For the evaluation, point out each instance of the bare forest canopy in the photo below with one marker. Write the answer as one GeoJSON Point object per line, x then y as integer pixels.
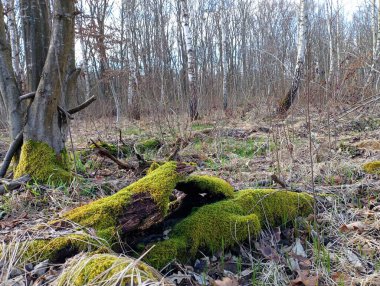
{"type": "Point", "coordinates": [134, 55]}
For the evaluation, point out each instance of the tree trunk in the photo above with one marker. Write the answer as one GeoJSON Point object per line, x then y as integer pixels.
{"type": "Point", "coordinates": [36, 31]}
{"type": "Point", "coordinates": [288, 100]}
{"type": "Point", "coordinates": [224, 62]}
{"type": "Point", "coordinates": [9, 89]}
{"type": "Point", "coordinates": [376, 48]}
{"type": "Point", "coordinates": [193, 101]}
{"type": "Point", "coordinates": [43, 154]}
{"type": "Point", "coordinates": [14, 39]}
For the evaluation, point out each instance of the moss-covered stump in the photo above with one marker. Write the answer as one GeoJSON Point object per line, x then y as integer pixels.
{"type": "Point", "coordinates": [372, 167]}
{"type": "Point", "coordinates": [39, 160]}
{"type": "Point", "coordinates": [225, 223]}
{"type": "Point", "coordinates": [136, 207]}
{"type": "Point", "coordinates": [107, 269]}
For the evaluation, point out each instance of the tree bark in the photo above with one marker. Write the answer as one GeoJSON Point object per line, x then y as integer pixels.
{"type": "Point", "coordinates": [193, 101]}
{"type": "Point", "coordinates": [45, 123]}
{"type": "Point", "coordinates": [288, 100]}
{"type": "Point", "coordinates": [9, 89]}
{"type": "Point", "coordinates": [36, 32]}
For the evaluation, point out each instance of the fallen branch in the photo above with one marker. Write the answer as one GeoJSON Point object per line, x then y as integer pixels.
{"type": "Point", "coordinates": [106, 153]}
{"type": "Point", "coordinates": [8, 186]}
{"type": "Point", "coordinates": [15, 145]}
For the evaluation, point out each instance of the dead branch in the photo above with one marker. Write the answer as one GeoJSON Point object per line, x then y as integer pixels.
{"type": "Point", "coordinates": [83, 105]}
{"type": "Point", "coordinates": [15, 145]}
{"type": "Point", "coordinates": [29, 95]}
{"type": "Point", "coordinates": [8, 186]}
{"type": "Point", "coordinates": [104, 152]}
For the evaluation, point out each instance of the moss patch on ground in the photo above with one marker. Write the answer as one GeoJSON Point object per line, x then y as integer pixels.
{"type": "Point", "coordinates": [40, 161]}
{"type": "Point", "coordinates": [103, 214]}
{"type": "Point", "coordinates": [372, 167]}
{"type": "Point", "coordinates": [102, 269]}
{"type": "Point", "coordinates": [225, 223]}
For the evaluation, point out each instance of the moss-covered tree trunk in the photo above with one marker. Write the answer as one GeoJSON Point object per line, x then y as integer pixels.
{"type": "Point", "coordinates": [51, 76]}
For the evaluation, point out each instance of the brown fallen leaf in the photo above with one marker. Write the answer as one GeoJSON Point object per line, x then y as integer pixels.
{"type": "Point", "coordinates": [354, 226]}
{"type": "Point", "coordinates": [305, 278]}
{"type": "Point", "coordinates": [226, 282]}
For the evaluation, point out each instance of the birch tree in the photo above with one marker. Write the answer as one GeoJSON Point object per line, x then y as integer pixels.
{"type": "Point", "coordinates": [193, 101]}
{"type": "Point", "coordinates": [288, 100]}
{"type": "Point", "coordinates": [376, 43]}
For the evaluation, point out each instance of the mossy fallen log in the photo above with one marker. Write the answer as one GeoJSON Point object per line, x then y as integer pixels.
{"type": "Point", "coordinates": [209, 216]}
{"type": "Point", "coordinates": [228, 222]}
{"type": "Point", "coordinates": [136, 207]}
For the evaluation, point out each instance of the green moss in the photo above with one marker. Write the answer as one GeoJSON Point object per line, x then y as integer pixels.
{"type": "Point", "coordinates": [59, 248]}
{"type": "Point", "coordinates": [214, 186]}
{"type": "Point", "coordinates": [152, 167]}
{"type": "Point", "coordinates": [101, 269]}
{"type": "Point", "coordinates": [40, 161]}
{"type": "Point", "coordinates": [372, 167]}
{"type": "Point", "coordinates": [152, 144]}
{"type": "Point", "coordinates": [225, 223]}
{"type": "Point", "coordinates": [102, 214]}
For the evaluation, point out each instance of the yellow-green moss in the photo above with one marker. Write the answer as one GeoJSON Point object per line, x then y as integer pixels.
{"type": "Point", "coordinates": [59, 248]}
{"type": "Point", "coordinates": [40, 161]}
{"type": "Point", "coordinates": [153, 167]}
{"type": "Point", "coordinates": [214, 186]}
{"type": "Point", "coordinates": [225, 223]}
{"type": "Point", "coordinates": [102, 214]}
{"type": "Point", "coordinates": [148, 145]}
{"type": "Point", "coordinates": [372, 167]}
{"type": "Point", "coordinates": [102, 268]}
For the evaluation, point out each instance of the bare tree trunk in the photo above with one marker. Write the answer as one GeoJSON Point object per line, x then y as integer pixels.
{"type": "Point", "coordinates": [288, 100]}
{"type": "Point", "coordinates": [9, 89]}
{"type": "Point", "coordinates": [376, 47]}
{"type": "Point", "coordinates": [14, 39]}
{"type": "Point", "coordinates": [193, 101]}
{"type": "Point", "coordinates": [331, 74]}
{"type": "Point", "coordinates": [36, 30]}
{"type": "Point", "coordinates": [224, 61]}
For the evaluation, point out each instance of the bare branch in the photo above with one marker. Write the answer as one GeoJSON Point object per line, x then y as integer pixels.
{"type": "Point", "coordinates": [83, 105]}
{"type": "Point", "coordinates": [16, 144]}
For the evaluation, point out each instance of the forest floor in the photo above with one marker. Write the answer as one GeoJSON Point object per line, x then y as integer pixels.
{"type": "Point", "coordinates": [326, 161]}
